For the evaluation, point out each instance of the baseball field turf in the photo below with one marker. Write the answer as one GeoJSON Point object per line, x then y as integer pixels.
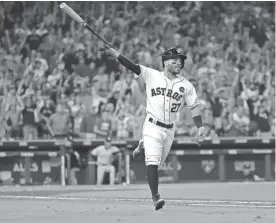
{"type": "Point", "coordinates": [185, 203]}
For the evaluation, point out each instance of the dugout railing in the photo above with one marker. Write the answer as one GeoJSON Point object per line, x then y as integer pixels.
{"type": "Point", "coordinates": [226, 159]}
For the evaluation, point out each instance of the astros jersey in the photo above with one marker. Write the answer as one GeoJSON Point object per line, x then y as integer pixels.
{"type": "Point", "coordinates": [165, 97]}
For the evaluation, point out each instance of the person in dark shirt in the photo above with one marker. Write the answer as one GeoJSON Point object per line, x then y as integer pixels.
{"type": "Point", "coordinates": [29, 116]}
{"type": "Point", "coordinates": [45, 112]}
{"type": "Point", "coordinates": [262, 118]}
{"type": "Point", "coordinates": [114, 99]}
{"type": "Point", "coordinates": [217, 111]}
{"type": "Point", "coordinates": [33, 40]}
{"type": "Point", "coordinates": [74, 166]}
{"type": "Point", "coordinates": [8, 22]}
{"type": "Point", "coordinates": [48, 109]}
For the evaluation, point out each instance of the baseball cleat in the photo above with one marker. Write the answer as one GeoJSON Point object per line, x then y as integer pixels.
{"type": "Point", "coordinates": [139, 151]}
{"type": "Point", "coordinates": [158, 202]}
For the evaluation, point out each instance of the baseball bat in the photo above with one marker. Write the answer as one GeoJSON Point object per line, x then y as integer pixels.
{"type": "Point", "coordinates": [69, 11]}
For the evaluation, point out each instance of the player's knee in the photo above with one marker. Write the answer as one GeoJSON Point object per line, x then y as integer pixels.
{"type": "Point", "coordinates": [112, 169]}
{"type": "Point", "coordinates": [153, 160]}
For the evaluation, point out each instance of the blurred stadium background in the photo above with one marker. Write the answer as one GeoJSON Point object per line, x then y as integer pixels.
{"type": "Point", "coordinates": [54, 84]}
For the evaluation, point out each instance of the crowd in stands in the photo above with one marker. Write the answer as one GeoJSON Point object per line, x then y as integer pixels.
{"type": "Point", "coordinates": [53, 80]}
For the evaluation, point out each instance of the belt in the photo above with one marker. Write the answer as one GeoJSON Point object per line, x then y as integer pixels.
{"type": "Point", "coordinates": [161, 124]}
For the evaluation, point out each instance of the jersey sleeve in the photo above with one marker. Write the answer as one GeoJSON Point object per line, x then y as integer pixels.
{"type": "Point", "coordinates": [95, 152]}
{"type": "Point", "coordinates": [191, 98]}
{"type": "Point", "coordinates": [145, 73]}
{"type": "Point", "coordinates": [115, 149]}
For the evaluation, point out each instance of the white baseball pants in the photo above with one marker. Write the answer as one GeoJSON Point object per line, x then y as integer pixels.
{"type": "Point", "coordinates": [101, 170]}
{"type": "Point", "coordinates": [157, 142]}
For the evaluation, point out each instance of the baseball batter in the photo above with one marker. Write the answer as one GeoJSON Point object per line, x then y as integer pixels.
{"type": "Point", "coordinates": [166, 91]}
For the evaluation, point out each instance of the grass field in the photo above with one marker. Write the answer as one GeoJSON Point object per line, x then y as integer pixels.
{"type": "Point", "coordinates": [185, 203]}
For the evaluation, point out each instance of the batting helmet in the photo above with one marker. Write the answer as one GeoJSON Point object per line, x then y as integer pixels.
{"type": "Point", "coordinates": [173, 53]}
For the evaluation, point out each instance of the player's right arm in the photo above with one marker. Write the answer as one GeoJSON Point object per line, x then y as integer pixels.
{"type": "Point", "coordinates": [136, 68]}
{"type": "Point", "coordinates": [95, 152]}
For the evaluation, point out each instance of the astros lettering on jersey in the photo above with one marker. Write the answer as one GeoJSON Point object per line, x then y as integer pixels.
{"type": "Point", "coordinates": [165, 97]}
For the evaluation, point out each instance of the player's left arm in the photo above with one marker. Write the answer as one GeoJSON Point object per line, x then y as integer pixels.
{"type": "Point", "coordinates": [121, 58]}
{"type": "Point", "coordinates": [193, 103]}
{"type": "Point", "coordinates": [115, 150]}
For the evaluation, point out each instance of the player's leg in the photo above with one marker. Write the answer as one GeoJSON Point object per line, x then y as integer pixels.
{"type": "Point", "coordinates": [167, 146]}
{"type": "Point", "coordinates": [111, 175]}
{"type": "Point", "coordinates": [100, 174]}
{"type": "Point", "coordinates": [153, 154]}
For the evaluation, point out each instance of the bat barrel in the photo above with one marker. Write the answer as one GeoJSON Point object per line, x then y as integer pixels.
{"type": "Point", "coordinates": [64, 7]}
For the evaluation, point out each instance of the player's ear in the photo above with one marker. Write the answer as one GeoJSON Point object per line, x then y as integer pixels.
{"type": "Point", "coordinates": [166, 63]}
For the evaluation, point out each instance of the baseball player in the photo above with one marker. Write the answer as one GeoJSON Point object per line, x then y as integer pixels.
{"type": "Point", "coordinates": [105, 155]}
{"type": "Point", "coordinates": [166, 93]}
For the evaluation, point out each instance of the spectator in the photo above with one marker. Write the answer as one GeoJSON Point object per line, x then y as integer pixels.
{"type": "Point", "coordinates": [59, 122]}
{"type": "Point", "coordinates": [48, 109]}
{"type": "Point", "coordinates": [2, 128]}
{"type": "Point", "coordinates": [217, 110]}
{"type": "Point", "coordinates": [99, 98]}
{"type": "Point", "coordinates": [30, 118]}
{"type": "Point", "coordinates": [45, 112]}
{"type": "Point", "coordinates": [139, 119]}
{"type": "Point", "coordinates": [103, 125]}
{"type": "Point", "coordinates": [129, 84]}
{"type": "Point", "coordinates": [89, 121]}
{"type": "Point", "coordinates": [183, 122]}
{"type": "Point", "coordinates": [123, 125]}
{"type": "Point", "coordinates": [11, 97]}
{"type": "Point", "coordinates": [12, 120]}
{"type": "Point", "coordinates": [77, 120]}
{"type": "Point", "coordinates": [127, 103]}
{"type": "Point", "coordinates": [75, 105]}
{"type": "Point", "coordinates": [115, 100]}
{"type": "Point", "coordinates": [262, 118]}
{"type": "Point", "coordinates": [241, 120]}
{"type": "Point", "coordinates": [33, 40]}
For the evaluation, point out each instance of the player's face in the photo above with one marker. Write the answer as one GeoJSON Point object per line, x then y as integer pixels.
{"type": "Point", "coordinates": [174, 65]}
{"type": "Point", "coordinates": [107, 144]}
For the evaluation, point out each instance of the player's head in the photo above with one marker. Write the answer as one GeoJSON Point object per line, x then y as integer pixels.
{"type": "Point", "coordinates": [108, 142]}
{"type": "Point", "coordinates": [173, 60]}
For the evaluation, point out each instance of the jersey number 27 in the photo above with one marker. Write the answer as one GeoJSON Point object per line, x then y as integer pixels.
{"type": "Point", "coordinates": [175, 107]}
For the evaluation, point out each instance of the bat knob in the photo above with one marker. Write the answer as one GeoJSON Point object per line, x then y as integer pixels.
{"type": "Point", "coordinates": [62, 5]}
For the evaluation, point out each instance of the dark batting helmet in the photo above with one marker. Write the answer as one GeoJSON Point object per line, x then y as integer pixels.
{"type": "Point", "coordinates": [173, 53]}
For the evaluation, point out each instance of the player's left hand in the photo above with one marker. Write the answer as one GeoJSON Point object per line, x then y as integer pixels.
{"type": "Point", "coordinates": [107, 49]}
{"type": "Point", "coordinates": [103, 47]}
{"type": "Point", "coordinates": [201, 135]}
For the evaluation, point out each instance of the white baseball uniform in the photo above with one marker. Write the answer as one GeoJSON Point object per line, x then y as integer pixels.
{"type": "Point", "coordinates": [165, 97]}
{"type": "Point", "coordinates": [103, 162]}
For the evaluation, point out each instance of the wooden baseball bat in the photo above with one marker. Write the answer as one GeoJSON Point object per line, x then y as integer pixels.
{"type": "Point", "coordinates": [69, 11]}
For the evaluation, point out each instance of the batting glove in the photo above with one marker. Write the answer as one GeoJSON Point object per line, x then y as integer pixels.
{"type": "Point", "coordinates": [201, 135]}
{"type": "Point", "coordinates": [103, 47]}
{"type": "Point", "coordinates": [107, 49]}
